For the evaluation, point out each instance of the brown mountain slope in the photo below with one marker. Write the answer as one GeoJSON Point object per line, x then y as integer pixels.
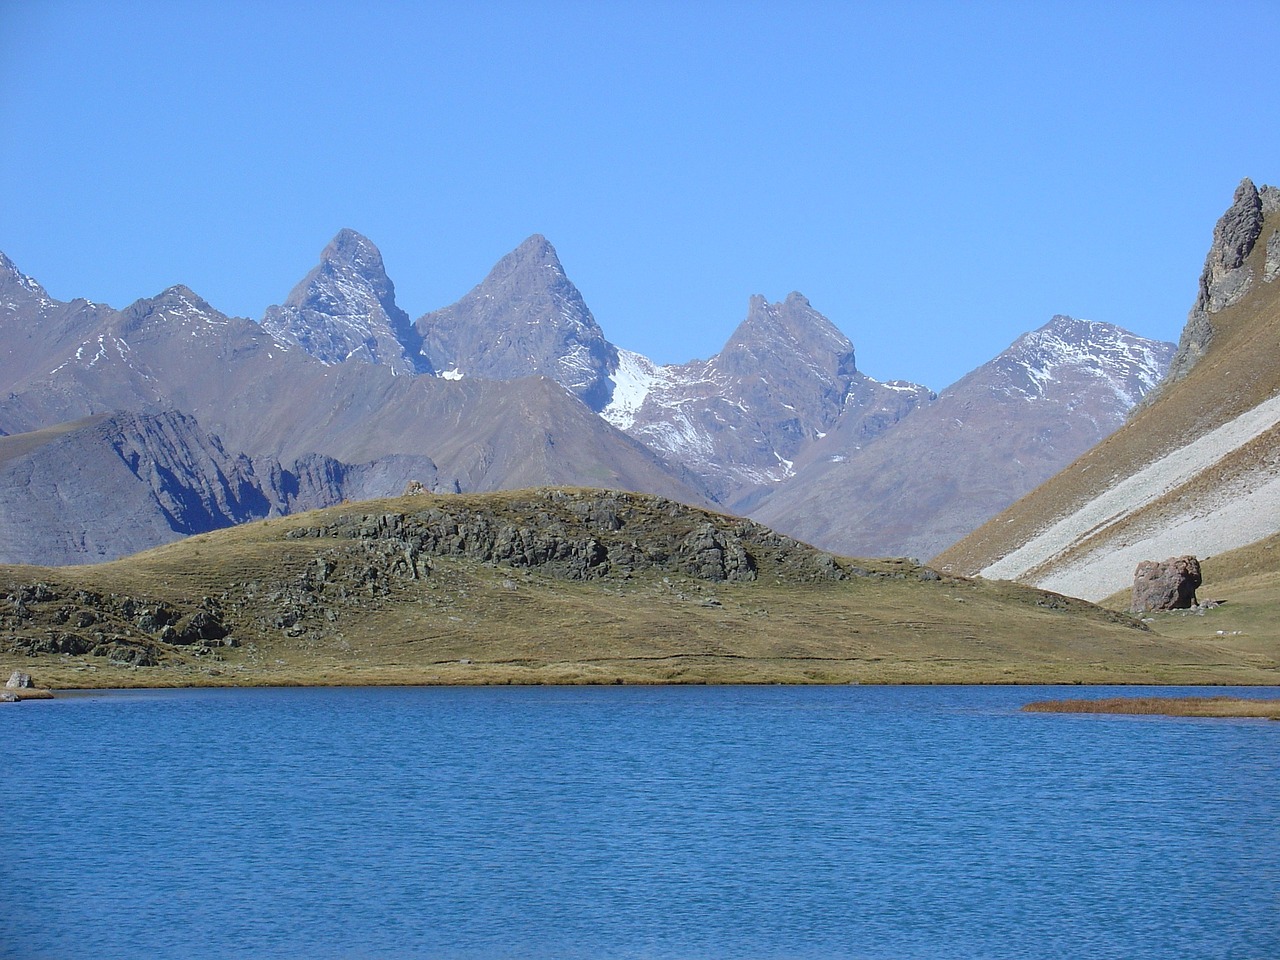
{"type": "Point", "coordinates": [1195, 471]}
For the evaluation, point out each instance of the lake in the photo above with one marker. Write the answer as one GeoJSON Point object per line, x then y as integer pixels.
{"type": "Point", "coordinates": [886, 823]}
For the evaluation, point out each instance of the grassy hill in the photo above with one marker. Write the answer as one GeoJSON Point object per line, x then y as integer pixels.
{"type": "Point", "coordinates": [560, 586]}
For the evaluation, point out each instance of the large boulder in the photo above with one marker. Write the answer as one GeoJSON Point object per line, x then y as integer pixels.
{"type": "Point", "coordinates": [19, 680]}
{"type": "Point", "coordinates": [1170, 585]}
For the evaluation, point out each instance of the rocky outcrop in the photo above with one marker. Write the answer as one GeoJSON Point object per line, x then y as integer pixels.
{"type": "Point", "coordinates": [1226, 277]}
{"type": "Point", "coordinates": [1170, 585]}
{"type": "Point", "coordinates": [124, 630]}
{"type": "Point", "coordinates": [1271, 268]}
{"type": "Point", "coordinates": [574, 536]}
{"type": "Point", "coordinates": [18, 680]}
{"type": "Point", "coordinates": [345, 309]}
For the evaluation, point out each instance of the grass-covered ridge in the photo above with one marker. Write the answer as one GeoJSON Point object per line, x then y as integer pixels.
{"type": "Point", "coordinates": [557, 586]}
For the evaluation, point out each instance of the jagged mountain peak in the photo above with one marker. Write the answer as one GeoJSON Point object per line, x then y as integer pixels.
{"type": "Point", "coordinates": [785, 333]}
{"type": "Point", "coordinates": [345, 309]}
{"type": "Point", "coordinates": [1226, 277]}
{"type": "Point", "coordinates": [525, 318]}
{"type": "Point", "coordinates": [178, 298]}
{"type": "Point", "coordinates": [16, 287]}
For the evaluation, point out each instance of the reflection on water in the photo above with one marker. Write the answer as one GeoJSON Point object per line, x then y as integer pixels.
{"type": "Point", "coordinates": [718, 822]}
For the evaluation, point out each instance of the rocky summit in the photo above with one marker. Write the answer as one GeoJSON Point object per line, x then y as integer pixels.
{"type": "Point", "coordinates": [524, 319]}
{"type": "Point", "coordinates": [345, 309]}
{"type": "Point", "coordinates": [743, 419]}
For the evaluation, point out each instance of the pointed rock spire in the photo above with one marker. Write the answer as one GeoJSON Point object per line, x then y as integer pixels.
{"type": "Point", "coordinates": [345, 309]}
{"type": "Point", "coordinates": [525, 318]}
{"type": "Point", "coordinates": [1227, 276]}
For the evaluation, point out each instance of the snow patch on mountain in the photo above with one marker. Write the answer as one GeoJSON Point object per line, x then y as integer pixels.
{"type": "Point", "coordinates": [633, 380]}
{"type": "Point", "coordinates": [1129, 365]}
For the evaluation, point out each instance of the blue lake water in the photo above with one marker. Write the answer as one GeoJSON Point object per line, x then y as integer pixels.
{"type": "Point", "coordinates": [886, 823]}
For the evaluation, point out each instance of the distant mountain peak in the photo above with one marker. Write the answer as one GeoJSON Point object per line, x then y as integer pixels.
{"type": "Point", "coordinates": [16, 285]}
{"type": "Point", "coordinates": [345, 309]}
{"type": "Point", "coordinates": [784, 334]}
{"type": "Point", "coordinates": [525, 318]}
{"type": "Point", "coordinates": [1130, 364]}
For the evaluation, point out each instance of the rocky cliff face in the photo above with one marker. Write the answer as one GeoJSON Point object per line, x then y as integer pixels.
{"type": "Point", "coordinates": [345, 309]}
{"type": "Point", "coordinates": [110, 485]}
{"type": "Point", "coordinates": [987, 440]}
{"type": "Point", "coordinates": [1227, 275]}
{"type": "Point", "coordinates": [524, 319]}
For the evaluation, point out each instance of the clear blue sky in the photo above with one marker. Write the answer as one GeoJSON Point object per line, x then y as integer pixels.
{"type": "Point", "coordinates": [936, 177]}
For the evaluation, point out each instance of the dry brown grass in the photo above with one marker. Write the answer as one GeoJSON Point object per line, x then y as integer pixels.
{"type": "Point", "coordinates": [470, 623]}
{"type": "Point", "coordinates": [1164, 706]}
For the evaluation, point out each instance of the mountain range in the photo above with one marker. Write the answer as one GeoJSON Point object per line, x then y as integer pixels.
{"type": "Point", "coordinates": [127, 428]}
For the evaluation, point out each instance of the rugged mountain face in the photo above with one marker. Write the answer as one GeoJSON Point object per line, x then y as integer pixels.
{"type": "Point", "coordinates": [737, 423]}
{"type": "Point", "coordinates": [345, 309]}
{"type": "Point", "coordinates": [35, 329]}
{"type": "Point", "coordinates": [110, 485]}
{"type": "Point", "coordinates": [272, 402]}
{"type": "Point", "coordinates": [988, 439]}
{"type": "Point", "coordinates": [1197, 470]}
{"type": "Point", "coordinates": [743, 419]}
{"type": "Point", "coordinates": [524, 319]}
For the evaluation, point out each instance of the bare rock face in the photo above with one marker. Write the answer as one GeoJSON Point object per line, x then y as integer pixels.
{"type": "Point", "coordinates": [1170, 585]}
{"type": "Point", "coordinates": [1272, 268]}
{"type": "Point", "coordinates": [1227, 276]}
{"type": "Point", "coordinates": [19, 680]}
{"type": "Point", "coordinates": [525, 318]}
{"type": "Point", "coordinates": [345, 309]}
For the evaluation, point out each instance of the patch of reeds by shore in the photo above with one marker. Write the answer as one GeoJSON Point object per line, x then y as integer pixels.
{"type": "Point", "coordinates": [1164, 706]}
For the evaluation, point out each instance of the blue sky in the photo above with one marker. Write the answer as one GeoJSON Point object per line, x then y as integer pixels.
{"type": "Point", "coordinates": [936, 177]}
